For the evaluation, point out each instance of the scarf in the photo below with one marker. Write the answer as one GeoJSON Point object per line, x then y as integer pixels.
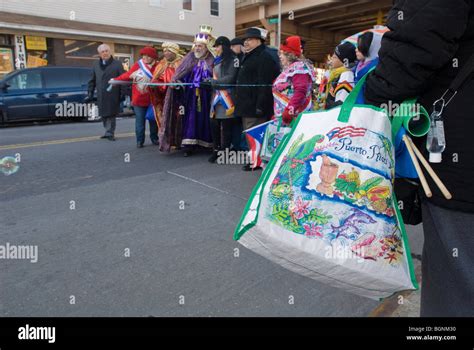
{"type": "Point", "coordinates": [221, 96]}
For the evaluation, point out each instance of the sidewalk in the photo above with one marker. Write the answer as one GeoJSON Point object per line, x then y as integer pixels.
{"type": "Point", "coordinates": [408, 306]}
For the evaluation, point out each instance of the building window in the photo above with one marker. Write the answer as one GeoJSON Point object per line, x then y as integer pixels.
{"type": "Point", "coordinates": [6, 40]}
{"type": "Point", "coordinates": [122, 48]}
{"type": "Point", "coordinates": [81, 49]}
{"type": "Point", "coordinates": [214, 7]}
{"type": "Point", "coordinates": [6, 61]}
{"type": "Point", "coordinates": [188, 5]}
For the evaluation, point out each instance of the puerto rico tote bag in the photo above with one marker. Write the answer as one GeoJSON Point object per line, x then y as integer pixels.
{"type": "Point", "coordinates": [325, 208]}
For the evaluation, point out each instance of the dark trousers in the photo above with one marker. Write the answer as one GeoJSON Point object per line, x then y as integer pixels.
{"type": "Point", "coordinates": [140, 125]}
{"type": "Point", "coordinates": [447, 266]}
{"type": "Point", "coordinates": [109, 124]}
{"type": "Point", "coordinates": [238, 139]}
{"type": "Point", "coordinates": [221, 130]}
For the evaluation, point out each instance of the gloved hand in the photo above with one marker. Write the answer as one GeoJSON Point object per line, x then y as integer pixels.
{"type": "Point", "coordinates": [88, 99]}
{"type": "Point", "coordinates": [206, 84]}
{"type": "Point", "coordinates": [176, 87]}
{"type": "Point", "coordinates": [287, 117]}
{"type": "Point", "coordinates": [258, 113]}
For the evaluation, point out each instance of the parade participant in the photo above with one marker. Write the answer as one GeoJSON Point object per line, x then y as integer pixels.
{"type": "Point", "coordinates": [226, 67]}
{"type": "Point", "coordinates": [254, 104]}
{"type": "Point", "coordinates": [341, 78]}
{"type": "Point", "coordinates": [165, 112]}
{"type": "Point", "coordinates": [421, 56]}
{"type": "Point", "coordinates": [292, 89]}
{"type": "Point", "coordinates": [195, 101]}
{"type": "Point", "coordinates": [141, 73]}
{"type": "Point", "coordinates": [238, 139]}
{"type": "Point", "coordinates": [108, 102]}
{"type": "Point", "coordinates": [367, 52]}
{"type": "Point", "coordinates": [236, 45]}
{"type": "Point", "coordinates": [273, 51]}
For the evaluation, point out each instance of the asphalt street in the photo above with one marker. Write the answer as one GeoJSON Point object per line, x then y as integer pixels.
{"type": "Point", "coordinates": [151, 236]}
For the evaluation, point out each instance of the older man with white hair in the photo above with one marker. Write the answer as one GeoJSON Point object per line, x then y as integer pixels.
{"type": "Point", "coordinates": [108, 102]}
{"type": "Point", "coordinates": [195, 100]}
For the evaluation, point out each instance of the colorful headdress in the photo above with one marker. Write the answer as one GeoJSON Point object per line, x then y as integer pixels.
{"type": "Point", "coordinates": [204, 36]}
{"type": "Point", "coordinates": [173, 47]}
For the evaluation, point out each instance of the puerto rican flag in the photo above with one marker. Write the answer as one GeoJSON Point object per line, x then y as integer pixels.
{"type": "Point", "coordinates": [255, 138]}
{"type": "Point", "coordinates": [346, 131]}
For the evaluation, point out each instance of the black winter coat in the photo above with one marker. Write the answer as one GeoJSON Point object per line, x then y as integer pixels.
{"type": "Point", "coordinates": [107, 101]}
{"type": "Point", "coordinates": [429, 42]}
{"type": "Point", "coordinates": [257, 67]}
{"type": "Point", "coordinates": [229, 68]}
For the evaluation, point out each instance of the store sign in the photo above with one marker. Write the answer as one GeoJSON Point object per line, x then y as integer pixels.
{"type": "Point", "coordinates": [6, 61]}
{"type": "Point", "coordinates": [36, 43]}
{"type": "Point", "coordinates": [34, 61]}
{"type": "Point", "coordinates": [20, 53]}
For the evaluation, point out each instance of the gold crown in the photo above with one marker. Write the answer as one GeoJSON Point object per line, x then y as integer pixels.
{"type": "Point", "coordinates": [204, 36]}
{"type": "Point", "coordinates": [205, 29]}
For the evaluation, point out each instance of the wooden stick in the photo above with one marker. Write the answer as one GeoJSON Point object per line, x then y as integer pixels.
{"type": "Point", "coordinates": [430, 171]}
{"type": "Point", "coordinates": [423, 181]}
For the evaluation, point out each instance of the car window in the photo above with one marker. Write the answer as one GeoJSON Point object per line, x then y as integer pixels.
{"type": "Point", "coordinates": [84, 75]}
{"type": "Point", "coordinates": [61, 78]}
{"type": "Point", "coordinates": [26, 80]}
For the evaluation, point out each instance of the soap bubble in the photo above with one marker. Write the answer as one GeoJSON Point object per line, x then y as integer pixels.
{"type": "Point", "coordinates": [9, 166]}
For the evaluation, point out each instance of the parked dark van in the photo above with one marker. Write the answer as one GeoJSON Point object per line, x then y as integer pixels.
{"type": "Point", "coordinates": [35, 93]}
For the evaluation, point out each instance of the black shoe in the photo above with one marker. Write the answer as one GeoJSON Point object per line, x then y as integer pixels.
{"type": "Point", "coordinates": [213, 158]}
{"type": "Point", "coordinates": [104, 137]}
{"type": "Point", "coordinates": [111, 138]}
{"type": "Point", "coordinates": [139, 145]}
{"type": "Point", "coordinates": [156, 143]}
{"type": "Point", "coordinates": [187, 153]}
{"type": "Point", "coordinates": [248, 167]}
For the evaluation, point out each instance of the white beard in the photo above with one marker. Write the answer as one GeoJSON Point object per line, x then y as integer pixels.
{"type": "Point", "coordinates": [199, 55]}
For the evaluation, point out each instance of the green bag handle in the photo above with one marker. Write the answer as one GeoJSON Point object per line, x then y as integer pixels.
{"type": "Point", "coordinates": [280, 121]}
{"type": "Point", "coordinates": [405, 114]}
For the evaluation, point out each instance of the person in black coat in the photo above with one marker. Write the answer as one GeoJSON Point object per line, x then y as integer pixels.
{"type": "Point", "coordinates": [429, 43]}
{"type": "Point", "coordinates": [226, 67]}
{"type": "Point", "coordinates": [255, 104]}
{"type": "Point", "coordinates": [108, 102]}
{"type": "Point", "coordinates": [236, 47]}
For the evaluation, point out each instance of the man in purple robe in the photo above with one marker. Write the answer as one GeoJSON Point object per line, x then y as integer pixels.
{"type": "Point", "coordinates": [194, 102]}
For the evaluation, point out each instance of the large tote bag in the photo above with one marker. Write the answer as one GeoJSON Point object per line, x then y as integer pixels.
{"type": "Point", "coordinates": [325, 208]}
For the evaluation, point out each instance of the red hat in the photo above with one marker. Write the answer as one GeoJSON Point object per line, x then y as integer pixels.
{"type": "Point", "coordinates": [292, 44]}
{"type": "Point", "coordinates": [149, 51]}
